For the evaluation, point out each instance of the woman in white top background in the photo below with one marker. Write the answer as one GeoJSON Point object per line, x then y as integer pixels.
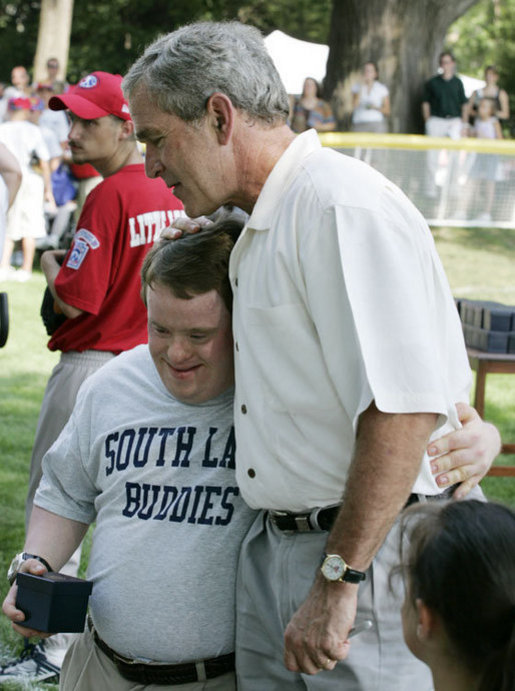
{"type": "Point", "coordinates": [370, 102]}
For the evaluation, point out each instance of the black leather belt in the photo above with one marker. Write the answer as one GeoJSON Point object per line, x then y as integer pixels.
{"type": "Point", "coordinates": [317, 520]}
{"type": "Point", "coordinates": [185, 673]}
{"type": "Point", "coordinates": [320, 520]}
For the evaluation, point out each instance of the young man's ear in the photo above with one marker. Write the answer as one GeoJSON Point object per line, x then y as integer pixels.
{"type": "Point", "coordinates": [127, 130]}
{"type": "Point", "coordinates": [221, 112]}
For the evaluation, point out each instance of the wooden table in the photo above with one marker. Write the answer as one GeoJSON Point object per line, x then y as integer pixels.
{"type": "Point", "coordinates": [491, 363]}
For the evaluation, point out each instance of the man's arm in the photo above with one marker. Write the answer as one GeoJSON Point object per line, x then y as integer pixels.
{"type": "Point", "coordinates": [50, 266]}
{"type": "Point", "coordinates": [504, 112]}
{"type": "Point", "coordinates": [47, 181]}
{"type": "Point", "coordinates": [388, 453]}
{"type": "Point", "coordinates": [10, 171]}
{"type": "Point", "coordinates": [55, 539]}
{"type": "Point", "coordinates": [465, 117]}
{"type": "Point", "coordinates": [426, 110]}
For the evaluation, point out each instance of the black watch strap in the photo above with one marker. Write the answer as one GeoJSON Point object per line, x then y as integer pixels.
{"type": "Point", "coordinates": [24, 557]}
{"type": "Point", "coordinates": [353, 576]}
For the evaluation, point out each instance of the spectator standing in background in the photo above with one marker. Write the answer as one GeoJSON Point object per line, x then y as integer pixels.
{"type": "Point", "coordinates": [309, 110]}
{"type": "Point", "coordinates": [370, 102]}
{"type": "Point", "coordinates": [10, 181]}
{"type": "Point", "coordinates": [445, 113]}
{"type": "Point", "coordinates": [20, 83]}
{"type": "Point", "coordinates": [52, 67]}
{"type": "Point", "coordinates": [54, 120]}
{"type": "Point", "coordinates": [490, 90]}
{"type": "Point", "coordinates": [55, 150]}
{"type": "Point", "coordinates": [25, 219]}
{"type": "Point", "coordinates": [444, 107]}
{"type": "Point", "coordinates": [486, 168]}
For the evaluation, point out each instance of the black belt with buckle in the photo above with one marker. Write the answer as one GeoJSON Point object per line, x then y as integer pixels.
{"type": "Point", "coordinates": [320, 520]}
{"type": "Point", "coordinates": [186, 673]}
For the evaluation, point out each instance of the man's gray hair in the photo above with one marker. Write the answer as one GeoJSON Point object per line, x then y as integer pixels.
{"type": "Point", "coordinates": [184, 68]}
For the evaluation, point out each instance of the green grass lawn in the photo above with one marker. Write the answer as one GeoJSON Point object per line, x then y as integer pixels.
{"type": "Point", "coordinates": [480, 263]}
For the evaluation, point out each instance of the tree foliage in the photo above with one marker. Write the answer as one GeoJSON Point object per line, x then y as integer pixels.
{"type": "Point", "coordinates": [486, 36]}
{"type": "Point", "coordinates": [110, 34]}
{"type": "Point", "coordinates": [18, 32]}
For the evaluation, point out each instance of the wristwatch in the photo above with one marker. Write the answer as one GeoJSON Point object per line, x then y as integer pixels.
{"type": "Point", "coordinates": [334, 568]}
{"type": "Point", "coordinates": [18, 561]}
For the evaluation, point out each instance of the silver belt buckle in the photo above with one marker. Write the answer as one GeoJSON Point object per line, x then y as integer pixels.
{"type": "Point", "coordinates": [301, 520]}
{"type": "Point", "coordinates": [303, 524]}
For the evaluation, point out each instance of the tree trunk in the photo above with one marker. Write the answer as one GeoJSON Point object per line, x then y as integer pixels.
{"type": "Point", "coordinates": [55, 24]}
{"type": "Point", "coordinates": [403, 37]}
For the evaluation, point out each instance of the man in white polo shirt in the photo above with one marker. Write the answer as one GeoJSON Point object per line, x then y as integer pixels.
{"type": "Point", "coordinates": [348, 356]}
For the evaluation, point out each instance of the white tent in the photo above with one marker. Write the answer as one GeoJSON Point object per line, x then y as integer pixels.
{"type": "Point", "coordinates": [295, 60]}
{"type": "Point", "coordinates": [470, 84]}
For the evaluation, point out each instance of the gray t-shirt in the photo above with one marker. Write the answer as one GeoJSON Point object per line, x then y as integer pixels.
{"type": "Point", "coordinates": [158, 477]}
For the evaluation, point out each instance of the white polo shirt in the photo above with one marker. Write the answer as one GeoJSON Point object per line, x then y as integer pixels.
{"type": "Point", "coordinates": [340, 299]}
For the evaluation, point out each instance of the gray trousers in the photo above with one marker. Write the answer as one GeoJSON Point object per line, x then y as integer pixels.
{"type": "Point", "coordinates": [61, 391]}
{"type": "Point", "coordinates": [60, 394]}
{"type": "Point", "coordinates": [275, 573]}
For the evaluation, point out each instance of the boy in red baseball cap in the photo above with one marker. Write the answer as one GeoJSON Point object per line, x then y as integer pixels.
{"type": "Point", "coordinates": [95, 96]}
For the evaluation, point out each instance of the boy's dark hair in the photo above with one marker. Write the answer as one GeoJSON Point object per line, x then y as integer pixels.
{"type": "Point", "coordinates": [195, 263]}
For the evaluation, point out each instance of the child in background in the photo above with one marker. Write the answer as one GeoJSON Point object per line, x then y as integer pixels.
{"type": "Point", "coordinates": [459, 611]}
{"type": "Point", "coordinates": [486, 167]}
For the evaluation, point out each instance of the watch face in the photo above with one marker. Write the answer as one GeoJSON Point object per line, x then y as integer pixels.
{"type": "Point", "coordinates": [333, 567]}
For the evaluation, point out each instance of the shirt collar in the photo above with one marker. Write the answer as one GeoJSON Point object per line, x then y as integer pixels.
{"type": "Point", "coordinates": [279, 179]}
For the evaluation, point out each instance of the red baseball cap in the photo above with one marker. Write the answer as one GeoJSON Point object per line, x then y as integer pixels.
{"type": "Point", "coordinates": [95, 96]}
{"type": "Point", "coordinates": [19, 103]}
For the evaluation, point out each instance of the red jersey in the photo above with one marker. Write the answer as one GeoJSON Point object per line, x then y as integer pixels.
{"type": "Point", "coordinates": [120, 220]}
{"type": "Point", "coordinates": [81, 171]}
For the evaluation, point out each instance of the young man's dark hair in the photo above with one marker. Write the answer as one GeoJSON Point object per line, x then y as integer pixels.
{"type": "Point", "coordinates": [193, 264]}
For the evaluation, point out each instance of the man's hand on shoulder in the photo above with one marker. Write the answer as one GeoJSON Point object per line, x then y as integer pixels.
{"type": "Point", "coordinates": [465, 455]}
